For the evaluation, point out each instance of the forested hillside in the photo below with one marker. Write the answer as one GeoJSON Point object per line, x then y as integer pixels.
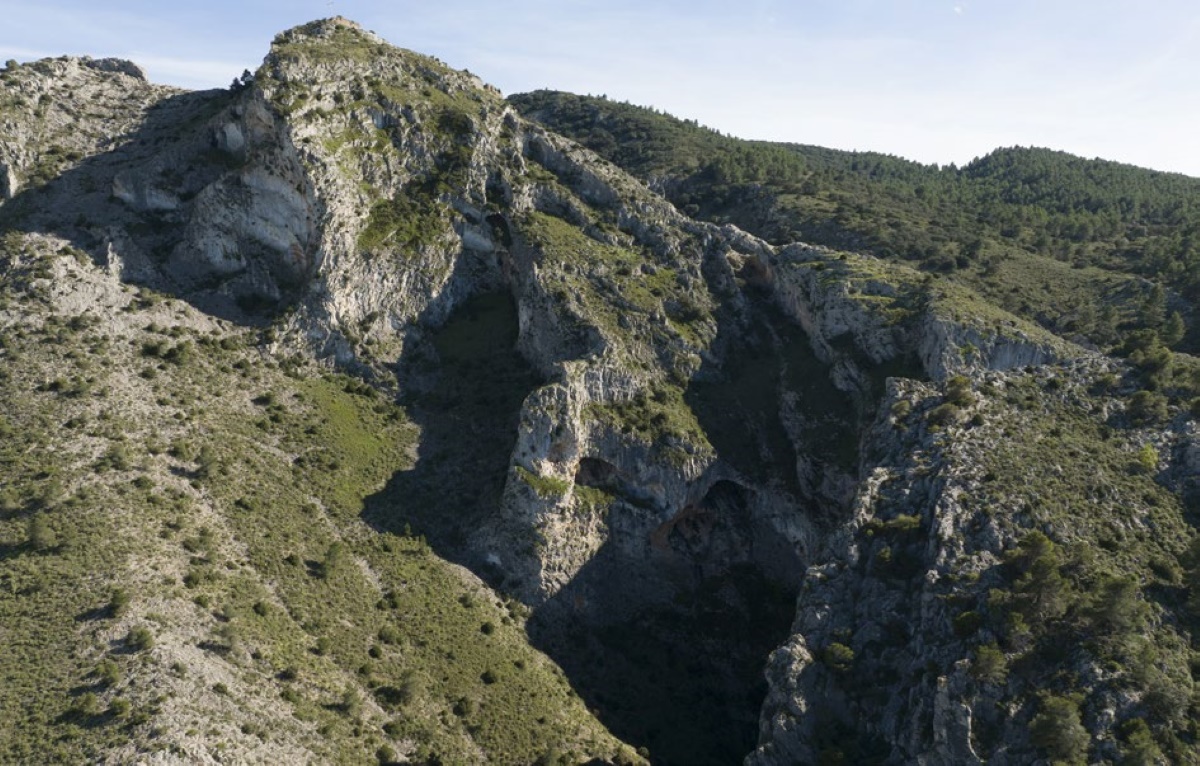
{"type": "Point", "coordinates": [352, 417]}
{"type": "Point", "coordinates": [1081, 246]}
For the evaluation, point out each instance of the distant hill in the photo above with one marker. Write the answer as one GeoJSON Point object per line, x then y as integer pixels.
{"type": "Point", "coordinates": [351, 417]}
{"type": "Point", "coordinates": [1045, 234]}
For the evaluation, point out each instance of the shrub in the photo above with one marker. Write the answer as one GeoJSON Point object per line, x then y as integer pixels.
{"type": "Point", "coordinates": [903, 523]}
{"type": "Point", "coordinates": [1146, 461]}
{"type": "Point", "coordinates": [1140, 748]}
{"type": "Point", "coordinates": [139, 639]}
{"type": "Point", "coordinates": [958, 391]}
{"type": "Point", "coordinates": [838, 657]}
{"type": "Point", "coordinates": [943, 415]}
{"type": "Point", "coordinates": [411, 687]}
{"type": "Point", "coordinates": [967, 623]}
{"type": "Point", "coordinates": [1040, 592]}
{"type": "Point", "coordinates": [1147, 407]}
{"type": "Point", "coordinates": [1115, 607]}
{"type": "Point", "coordinates": [118, 602]}
{"type": "Point", "coordinates": [352, 703]}
{"type": "Point", "coordinates": [990, 665]}
{"type": "Point", "coordinates": [86, 704]}
{"type": "Point", "coordinates": [335, 556]}
{"type": "Point", "coordinates": [181, 449]}
{"type": "Point", "coordinates": [117, 458]}
{"type": "Point", "coordinates": [41, 535]}
{"type": "Point", "coordinates": [209, 464]}
{"type": "Point", "coordinates": [108, 672]}
{"type": "Point", "coordinates": [1058, 730]}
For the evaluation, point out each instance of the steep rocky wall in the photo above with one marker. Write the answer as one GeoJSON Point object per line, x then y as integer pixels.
{"type": "Point", "coordinates": [947, 347]}
{"type": "Point", "coordinates": [43, 133]}
{"type": "Point", "coordinates": [913, 597]}
{"type": "Point", "coordinates": [358, 197]}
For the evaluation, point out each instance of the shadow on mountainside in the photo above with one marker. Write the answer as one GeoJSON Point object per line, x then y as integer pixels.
{"type": "Point", "coordinates": [668, 651]}
{"type": "Point", "coordinates": [463, 384]}
{"type": "Point", "coordinates": [680, 672]}
{"type": "Point", "coordinates": [664, 638]}
{"type": "Point", "coordinates": [163, 164]}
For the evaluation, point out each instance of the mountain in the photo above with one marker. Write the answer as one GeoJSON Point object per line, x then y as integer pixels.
{"type": "Point", "coordinates": [1072, 244]}
{"type": "Point", "coordinates": [351, 415]}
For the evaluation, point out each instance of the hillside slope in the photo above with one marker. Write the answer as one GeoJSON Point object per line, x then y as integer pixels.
{"type": "Point", "coordinates": [1076, 245]}
{"type": "Point", "coordinates": [352, 415]}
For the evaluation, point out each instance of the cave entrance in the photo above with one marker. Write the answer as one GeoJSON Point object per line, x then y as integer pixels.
{"type": "Point", "coordinates": [668, 645]}
{"type": "Point", "coordinates": [597, 474]}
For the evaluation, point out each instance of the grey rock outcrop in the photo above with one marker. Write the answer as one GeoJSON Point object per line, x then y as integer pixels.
{"type": "Point", "coordinates": [356, 196]}
{"type": "Point", "coordinates": [120, 66]}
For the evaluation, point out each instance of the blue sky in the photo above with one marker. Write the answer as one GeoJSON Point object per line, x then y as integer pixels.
{"type": "Point", "coordinates": [932, 80]}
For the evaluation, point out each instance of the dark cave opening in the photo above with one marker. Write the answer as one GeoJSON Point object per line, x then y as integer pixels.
{"type": "Point", "coordinates": [596, 473]}
{"type": "Point", "coordinates": [668, 648]}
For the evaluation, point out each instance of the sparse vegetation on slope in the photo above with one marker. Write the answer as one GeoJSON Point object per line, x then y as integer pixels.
{"type": "Point", "coordinates": [450, 335]}
{"type": "Point", "coordinates": [187, 570]}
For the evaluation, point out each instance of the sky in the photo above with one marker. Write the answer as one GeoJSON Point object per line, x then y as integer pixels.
{"type": "Point", "coordinates": [937, 81]}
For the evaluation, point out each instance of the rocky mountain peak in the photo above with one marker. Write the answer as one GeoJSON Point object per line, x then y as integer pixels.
{"type": "Point", "coordinates": [663, 449]}
{"type": "Point", "coordinates": [345, 44]}
{"type": "Point", "coordinates": [120, 66]}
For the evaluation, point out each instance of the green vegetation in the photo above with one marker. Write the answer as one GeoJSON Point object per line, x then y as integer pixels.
{"type": "Point", "coordinates": [403, 221]}
{"type": "Point", "coordinates": [1086, 588]}
{"type": "Point", "coordinates": [838, 657]}
{"type": "Point", "coordinates": [546, 487]}
{"type": "Point", "coordinates": [1058, 730]}
{"type": "Point", "coordinates": [1046, 235]}
{"type": "Point", "coordinates": [622, 292]}
{"type": "Point", "coordinates": [230, 498]}
{"type": "Point", "coordinates": [660, 415]}
{"type": "Point", "coordinates": [990, 666]}
{"type": "Point", "coordinates": [618, 288]}
{"type": "Point", "coordinates": [324, 42]}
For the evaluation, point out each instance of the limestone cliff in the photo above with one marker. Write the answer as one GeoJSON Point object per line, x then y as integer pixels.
{"type": "Point", "coordinates": [681, 447]}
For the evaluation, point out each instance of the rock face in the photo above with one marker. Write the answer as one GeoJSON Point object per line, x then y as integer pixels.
{"type": "Point", "coordinates": [900, 602]}
{"type": "Point", "coordinates": [712, 426]}
{"type": "Point", "coordinates": [45, 135]}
